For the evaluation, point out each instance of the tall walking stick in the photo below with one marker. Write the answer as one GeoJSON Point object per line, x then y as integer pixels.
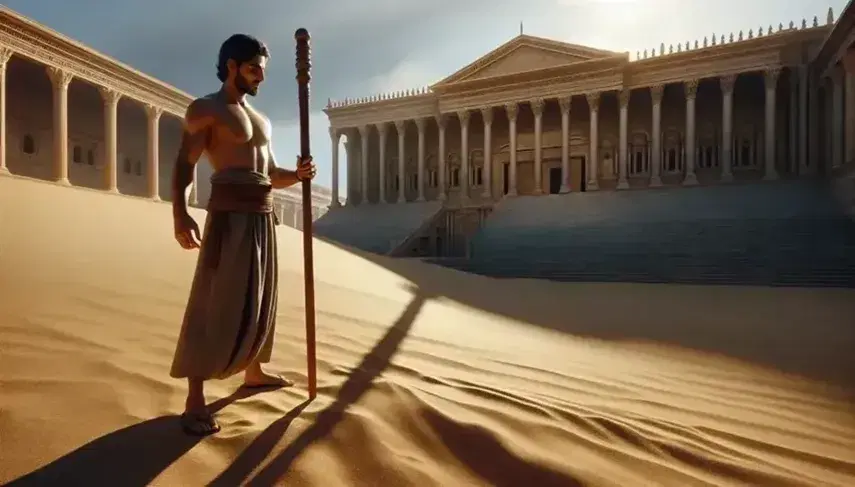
{"type": "Point", "coordinates": [303, 77]}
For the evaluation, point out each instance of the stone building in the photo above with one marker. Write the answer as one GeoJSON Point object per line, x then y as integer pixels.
{"type": "Point", "coordinates": [537, 116]}
{"type": "Point", "coordinates": [72, 115]}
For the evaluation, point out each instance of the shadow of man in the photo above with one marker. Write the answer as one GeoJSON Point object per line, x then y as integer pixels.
{"type": "Point", "coordinates": [356, 386]}
{"type": "Point", "coordinates": [131, 456]}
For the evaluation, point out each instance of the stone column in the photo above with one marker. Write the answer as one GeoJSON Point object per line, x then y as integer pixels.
{"type": "Point", "coordinates": [60, 80]}
{"type": "Point", "coordinates": [381, 131]}
{"type": "Point", "coordinates": [194, 189]}
{"type": "Point", "coordinates": [364, 132]}
{"type": "Point", "coordinates": [656, 92]}
{"type": "Point", "coordinates": [564, 104]}
{"type": "Point", "coordinates": [691, 94]}
{"type": "Point", "coordinates": [335, 137]}
{"type": "Point", "coordinates": [793, 113]}
{"type": "Point", "coordinates": [111, 105]}
{"type": "Point", "coordinates": [623, 99]}
{"type": "Point", "coordinates": [441, 122]}
{"type": "Point", "coordinates": [487, 117]}
{"type": "Point", "coordinates": [771, 77]}
{"type": "Point", "coordinates": [727, 85]}
{"type": "Point", "coordinates": [153, 112]}
{"type": "Point", "coordinates": [5, 55]}
{"type": "Point", "coordinates": [849, 116]}
{"type": "Point", "coordinates": [351, 169]}
{"type": "Point", "coordinates": [420, 125]}
{"type": "Point", "coordinates": [593, 153]}
{"type": "Point", "coordinates": [537, 106]}
{"type": "Point", "coordinates": [463, 116]}
{"type": "Point", "coordinates": [401, 126]}
{"type": "Point", "coordinates": [803, 120]}
{"type": "Point", "coordinates": [814, 151]}
{"type": "Point", "coordinates": [837, 116]}
{"type": "Point", "coordinates": [512, 110]}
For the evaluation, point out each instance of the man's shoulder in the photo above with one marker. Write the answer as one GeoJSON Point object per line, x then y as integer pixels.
{"type": "Point", "coordinates": [201, 107]}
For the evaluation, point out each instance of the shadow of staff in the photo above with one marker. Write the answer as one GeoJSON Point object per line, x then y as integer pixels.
{"type": "Point", "coordinates": [356, 386]}
{"type": "Point", "coordinates": [132, 456]}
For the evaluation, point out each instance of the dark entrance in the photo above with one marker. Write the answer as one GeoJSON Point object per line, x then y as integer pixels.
{"type": "Point", "coordinates": [505, 169]}
{"type": "Point", "coordinates": [554, 180]}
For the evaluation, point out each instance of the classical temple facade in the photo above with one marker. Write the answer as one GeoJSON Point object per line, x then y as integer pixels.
{"type": "Point", "coordinates": [538, 116]}
{"type": "Point", "coordinates": [72, 115]}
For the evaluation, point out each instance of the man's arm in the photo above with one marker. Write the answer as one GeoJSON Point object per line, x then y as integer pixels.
{"type": "Point", "coordinates": [197, 126]}
{"type": "Point", "coordinates": [280, 177]}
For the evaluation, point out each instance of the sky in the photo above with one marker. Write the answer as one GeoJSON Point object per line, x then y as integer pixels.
{"type": "Point", "coordinates": [367, 47]}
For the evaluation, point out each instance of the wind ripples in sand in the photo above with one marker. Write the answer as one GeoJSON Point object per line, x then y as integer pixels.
{"type": "Point", "coordinates": [417, 385]}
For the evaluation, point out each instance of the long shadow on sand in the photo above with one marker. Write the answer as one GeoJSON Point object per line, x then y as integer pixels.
{"type": "Point", "coordinates": [131, 456]}
{"type": "Point", "coordinates": [734, 328]}
{"type": "Point", "coordinates": [356, 386]}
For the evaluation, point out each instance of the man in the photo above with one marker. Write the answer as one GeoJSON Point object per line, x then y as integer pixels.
{"type": "Point", "coordinates": [230, 316]}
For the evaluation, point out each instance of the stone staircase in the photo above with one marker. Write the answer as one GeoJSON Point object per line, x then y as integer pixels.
{"type": "Point", "coordinates": [786, 233]}
{"type": "Point", "coordinates": [375, 228]}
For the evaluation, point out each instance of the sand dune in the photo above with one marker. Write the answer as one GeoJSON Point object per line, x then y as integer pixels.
{"type": "Point", "coordinates": [426, 376]}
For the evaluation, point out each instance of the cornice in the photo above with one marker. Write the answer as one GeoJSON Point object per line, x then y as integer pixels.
{"type": "Point", "coordinates": [45, 46]}
{"type": "Point", "coordinates": [581, 68]}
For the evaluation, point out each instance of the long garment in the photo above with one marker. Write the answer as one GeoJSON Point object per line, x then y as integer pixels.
{"type": "Point", "coordinates": [231, 313]}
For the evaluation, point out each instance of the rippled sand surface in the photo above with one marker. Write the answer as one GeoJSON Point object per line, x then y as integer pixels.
{"type": "Point", "coordinates": [426, 376]}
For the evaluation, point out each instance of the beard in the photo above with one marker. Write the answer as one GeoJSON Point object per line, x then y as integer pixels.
{"type": "Point", "coordinates": [245, 87]}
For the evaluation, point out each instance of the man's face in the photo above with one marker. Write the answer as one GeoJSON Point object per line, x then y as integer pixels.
{"type": "Point", "coordinates": [250, 75]}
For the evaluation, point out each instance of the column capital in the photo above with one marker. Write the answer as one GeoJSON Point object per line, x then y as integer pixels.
{"type": "Point", "coordinates": [420, 123]}
{"type": "Point", "coordinates": [656, 93]}
{"type": "Point", "coordinates": [623, 98]}
{"type": "Point", "coordinates": [537, 106]}
{"type": "Point", "coordinates": [154, 112]}
{"type": "Point", "coordinates": [110, 96]}
{"type": "Point", "coordinates": [487, 115]}
{"type": "Point", "coordinates": [335, 134]}
{"type": "Point", "coordinates": [464, 116]}
{"type": "Point", "coordinates": [771, 77]}
{"type": "Point", "coordinates": [382, 128]}
{"type": "Point", "coordinates": [727, 83]}
{"type": "Point", "coordinates": [512, 109]}
{"type": "Point", "coordinates": [441, 120]}
{"type": "Point", "coordinates": [593, 100]}
{"type": "Point", "coordinates": [59, 77]}
{"type": "Point", "coordinates": [400, 126]}
{"type": "Point", "coordinates": [363, 130]}
{"type": "Point", "coordinates": [564, 103]}
{"type": "Point", "coordinates": [691, 87]}
{"type": "Point", "coordinates": [5, 56]}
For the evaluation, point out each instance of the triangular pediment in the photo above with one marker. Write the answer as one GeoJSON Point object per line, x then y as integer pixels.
{"type": "Point", "coordinates": [525, 53]}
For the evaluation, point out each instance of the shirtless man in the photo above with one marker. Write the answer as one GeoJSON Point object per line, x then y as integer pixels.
{"type": "Point", "coordinates": [230, 316]}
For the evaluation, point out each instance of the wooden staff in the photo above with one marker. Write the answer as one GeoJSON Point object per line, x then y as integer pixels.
{"type": "Point", "coordinates": [303, 77]}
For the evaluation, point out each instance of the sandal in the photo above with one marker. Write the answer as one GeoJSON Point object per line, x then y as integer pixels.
{"type": "Point", "coordinates": [199, 424]}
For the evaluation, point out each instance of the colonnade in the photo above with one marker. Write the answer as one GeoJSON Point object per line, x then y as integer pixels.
{"type": "Point", "coordinates": [60, 80]}
{"type": "Point", "coordinates": [798, 127]}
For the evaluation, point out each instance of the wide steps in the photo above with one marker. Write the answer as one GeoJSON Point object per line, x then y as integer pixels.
{"type": "Point", "coordinates": [375, 228]}
{"type": "Point", "coordinates": [787, 234]}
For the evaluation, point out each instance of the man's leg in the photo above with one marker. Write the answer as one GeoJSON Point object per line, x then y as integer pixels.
{"type": "Point", "coordinates": [255, 376]}
{"type": "Point", "coordinates": [196, 418]}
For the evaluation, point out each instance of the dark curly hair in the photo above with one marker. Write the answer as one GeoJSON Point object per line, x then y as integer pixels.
{"type": "Point", "coordinates": [240, 48]}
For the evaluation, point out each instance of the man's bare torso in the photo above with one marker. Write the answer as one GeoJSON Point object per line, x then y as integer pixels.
{"type": "Point", "coordinates": [237, 136]}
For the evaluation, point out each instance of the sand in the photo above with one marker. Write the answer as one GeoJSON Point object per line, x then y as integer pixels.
{"type": "Point", "coordinates": [427, 376]}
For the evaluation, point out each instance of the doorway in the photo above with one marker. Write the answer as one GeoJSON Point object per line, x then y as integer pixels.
{"type": "Point", "coordinates": [505, 171]}
{"type": "Point", "coordinates": [554, 180]}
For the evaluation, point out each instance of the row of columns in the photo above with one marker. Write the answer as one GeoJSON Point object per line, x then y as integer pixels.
{"type": "Point", "coordinates": [727, 84]}
{"type": "Point", "coordinates": [60, 81]}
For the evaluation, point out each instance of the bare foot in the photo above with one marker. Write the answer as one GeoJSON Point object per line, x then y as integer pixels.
{"type": "Point", "coordinates": [258, 378]}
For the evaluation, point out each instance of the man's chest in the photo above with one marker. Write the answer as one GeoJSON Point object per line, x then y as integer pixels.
{"type": "Point", "coordinates": [243, 124]}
